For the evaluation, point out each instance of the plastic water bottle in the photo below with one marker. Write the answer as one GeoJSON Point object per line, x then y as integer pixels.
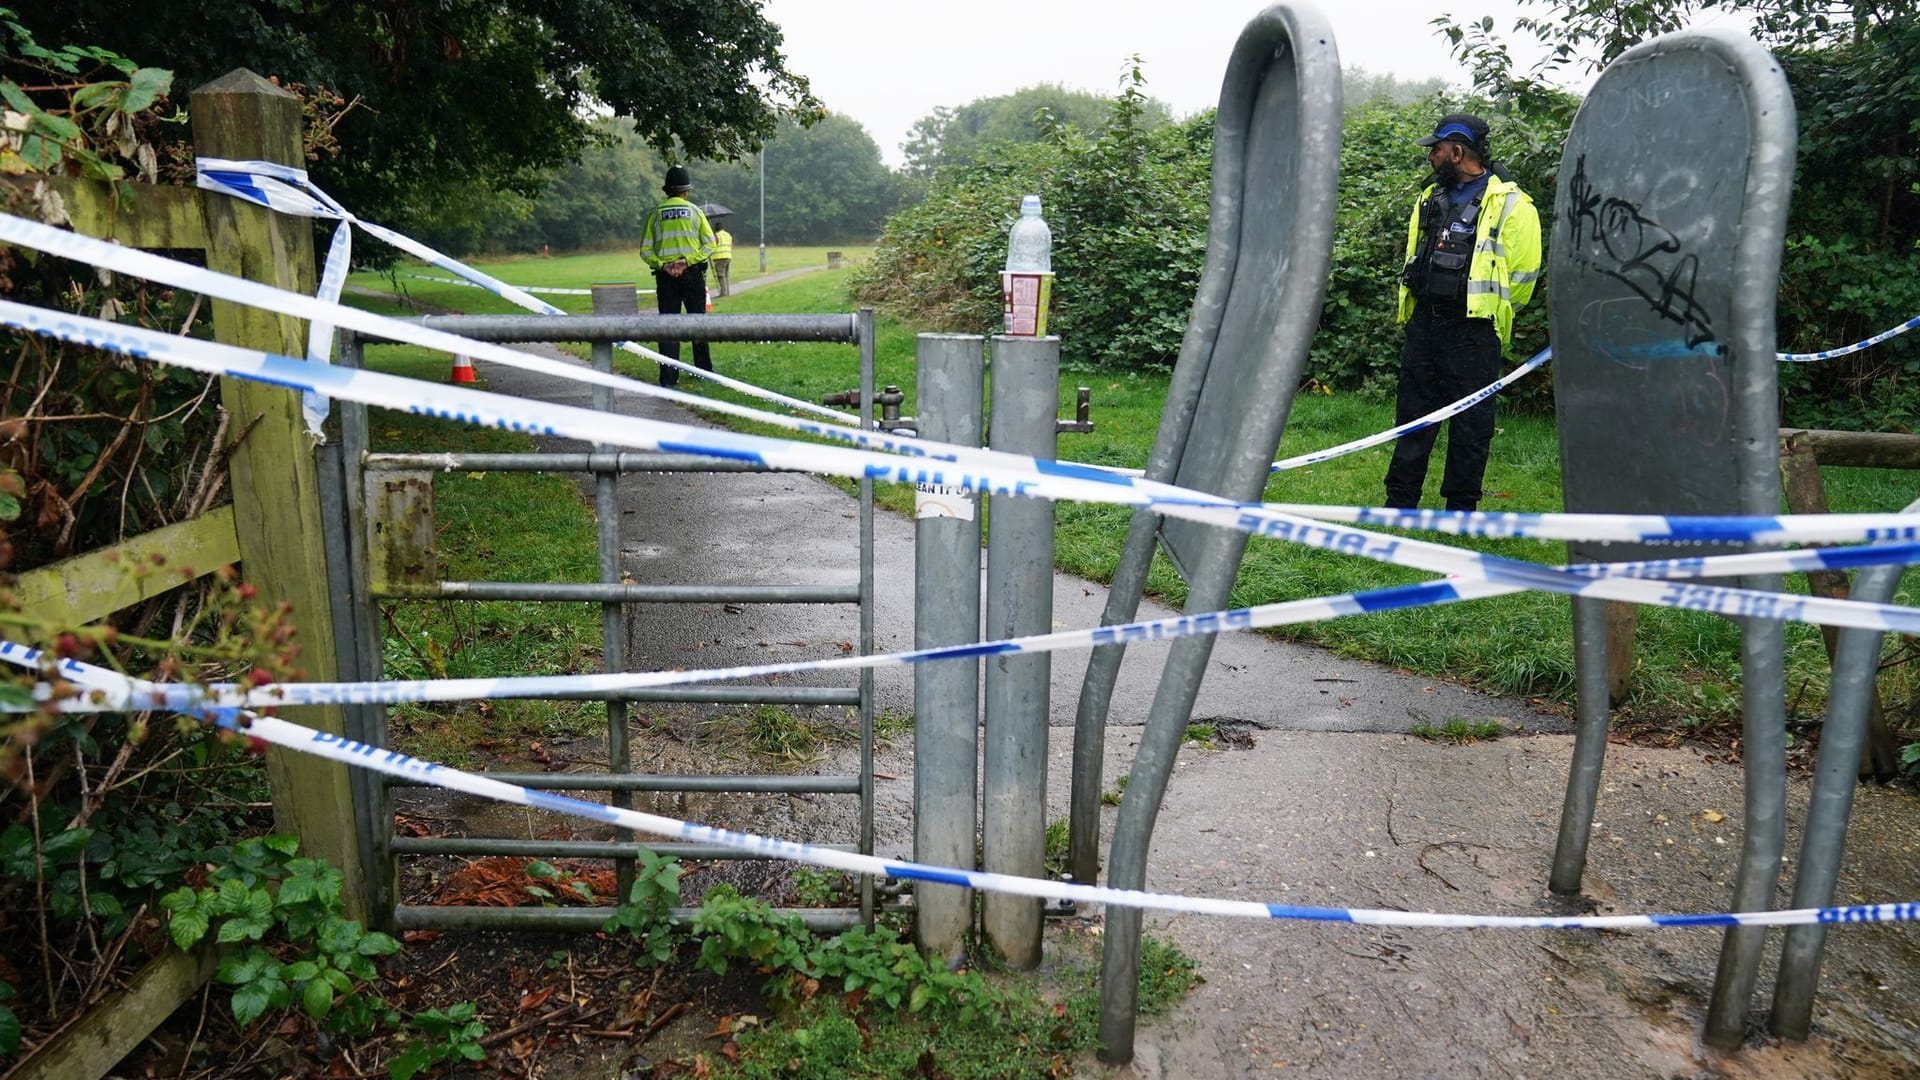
{"type": "Point", "coordinates": [1026, 287]}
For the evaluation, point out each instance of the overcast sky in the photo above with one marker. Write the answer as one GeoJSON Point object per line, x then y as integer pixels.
{"type": "Point", "coordinates": [887, 63]}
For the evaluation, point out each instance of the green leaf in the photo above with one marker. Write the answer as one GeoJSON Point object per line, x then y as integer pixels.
{"type": "Point", "coordinates": [285, 845]}
{"type": "Point", "coordinates": [921, 992]}
{"type": "Point", "coordinates": [376, 943]}
{"type": "Point", "coordinates": [9, 511]}
{"type": "Point", "coordinates": [408, 1063]}
{"type": "Point", "coordinates": [16, 98]}
{"type": "Point", "coordinates": [187, 927]}
{"type": "Point", "coordinates": [242, 967]}
{"type": "Point", "coordinates": [9, 1031]}
{"type": "Point", "coordinates": [296, 890]}
{"type": "Point", "coordinates": [249, 1002]}
{"type": "Point", "coordinates": [57, 126]}
{"type": "Point", "coordinates": [543, 871]}
{"type": "Point", "coordinates": [146, 86]}
{"type": "Point", "coordinates": [300, 971]}
{"type": "Point", "coordinates": [318, 999]}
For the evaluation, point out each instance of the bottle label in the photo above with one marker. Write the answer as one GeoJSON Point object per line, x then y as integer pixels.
{"type": "Point", "coordinates": [1024, 299]}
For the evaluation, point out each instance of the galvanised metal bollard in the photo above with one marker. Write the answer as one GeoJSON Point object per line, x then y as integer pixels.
{"type": "Point", "coordinates": [1856, 663]}
{"type": "Point", "coordinates": [1025, 401]}
{"type": "Point", "coordinates": [946, 611]}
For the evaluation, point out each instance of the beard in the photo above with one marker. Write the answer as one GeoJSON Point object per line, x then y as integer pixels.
{"type": "Point", "coordinates": [1448, 173]}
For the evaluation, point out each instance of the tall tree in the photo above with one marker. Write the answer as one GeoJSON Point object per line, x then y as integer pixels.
{"type": "Point", "coordinates": [462, 94]}
{"type": "Point", "coordinates": [955, 136]}
{"type": "Point", "coordinates": [825, 184]}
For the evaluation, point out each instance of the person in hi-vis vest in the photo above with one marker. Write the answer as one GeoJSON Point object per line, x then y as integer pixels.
{"type": "Point", "coordinates": [722, 258]}
{"type": "Point", "coordinates": [1473, 256]}
{"type": "Point", "coordinates": [676, 241]}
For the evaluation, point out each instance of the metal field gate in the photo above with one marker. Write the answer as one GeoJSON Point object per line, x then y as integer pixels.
{"type": "Point", "coordinates": [379, 529]}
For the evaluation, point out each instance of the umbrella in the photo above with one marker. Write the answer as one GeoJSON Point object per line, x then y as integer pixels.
{"type": "Point", "coordinates": [714, 210]}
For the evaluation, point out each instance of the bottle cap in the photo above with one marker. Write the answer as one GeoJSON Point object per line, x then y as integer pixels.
{"type": "Point", "coordinates": [1030, 204]}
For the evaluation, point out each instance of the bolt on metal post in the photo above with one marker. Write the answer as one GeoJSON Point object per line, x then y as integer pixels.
{"type": "Point", "coordinates": [946, 611]}
{"type": "Point", "coordinates": [1025, 399]}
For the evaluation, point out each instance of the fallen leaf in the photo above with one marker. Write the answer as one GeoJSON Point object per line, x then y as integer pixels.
{"type": "Point", "coordinates": [1713, 816]}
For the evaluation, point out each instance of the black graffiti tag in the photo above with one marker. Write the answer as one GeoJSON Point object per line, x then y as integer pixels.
{"type": "Point", "coordinates": [1614, 237]}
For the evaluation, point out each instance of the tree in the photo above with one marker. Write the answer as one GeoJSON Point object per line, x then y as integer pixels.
{"type": "Point", "coordinates": [955, 136]}
{"type": "Point", "coordinates": [1360, 87]}
{"type": "Point", "coordinates": [459, 95]}
{"type": "Point", "coordinates": [825, 184]}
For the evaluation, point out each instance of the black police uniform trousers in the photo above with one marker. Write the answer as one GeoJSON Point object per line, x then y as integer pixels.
{"type": "Point", "coordinates": [688, 293]}
{"type": "Point", "coordinates": [1446, 357]}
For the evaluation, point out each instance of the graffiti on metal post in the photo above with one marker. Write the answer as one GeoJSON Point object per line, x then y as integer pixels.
{"type": "Point", "coordinates": [1644, 255]}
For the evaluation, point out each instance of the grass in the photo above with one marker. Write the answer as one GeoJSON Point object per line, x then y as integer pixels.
{"type": "Point", "coordinates": [1459, 730]}
{"type": "Point", "coordinates": [555, 541]}
{"type": "Point", "coordinates": [1521, 645]}
{"type": "Point", "coordinates": [575, 272]}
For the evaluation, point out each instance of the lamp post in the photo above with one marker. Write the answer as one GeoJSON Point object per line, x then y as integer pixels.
{"type": "Point", "coordinates": [763, 209]}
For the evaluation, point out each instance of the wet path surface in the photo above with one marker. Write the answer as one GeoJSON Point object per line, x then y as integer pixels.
{"type": "Point", "coordinates": [1329, 803]}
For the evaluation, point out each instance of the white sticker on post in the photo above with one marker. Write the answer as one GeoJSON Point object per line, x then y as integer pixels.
{"type": "Point", "coordinates": [942, 501]}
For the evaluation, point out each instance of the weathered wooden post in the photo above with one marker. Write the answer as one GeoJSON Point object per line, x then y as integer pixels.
{"type": "Point", "coordinates": [276, 499]}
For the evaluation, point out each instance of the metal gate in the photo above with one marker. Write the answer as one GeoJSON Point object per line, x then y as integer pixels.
{"type": "Point", "coordinates": [371, 503]}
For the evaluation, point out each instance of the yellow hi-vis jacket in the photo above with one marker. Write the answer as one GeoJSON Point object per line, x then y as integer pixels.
{"type": "Point", "coordinates": [1506, 256]}
{"type": "Point", "coordinates": [675, 229]}
{"type": "Point", "coordinates": [722, 244]}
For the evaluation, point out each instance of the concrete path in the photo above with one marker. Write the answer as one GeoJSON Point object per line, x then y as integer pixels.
{"type": "Point", "coordinates": [1330, 804]}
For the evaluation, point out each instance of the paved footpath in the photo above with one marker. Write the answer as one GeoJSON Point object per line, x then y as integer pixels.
{"type": "Point", "coordinates": [1333, 804]}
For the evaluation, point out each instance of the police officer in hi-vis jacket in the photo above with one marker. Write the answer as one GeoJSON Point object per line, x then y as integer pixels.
{"type": "Point", "coordinates": [1473, 256]}
{"type": "Point", "coordinates": [676, 242]}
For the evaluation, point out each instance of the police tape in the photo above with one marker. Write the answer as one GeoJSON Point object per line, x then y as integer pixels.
{"type": "Point", "coordinates": [1829, 354]}
{"type": "Point", "coordinates": [289, 191]}
{"type": "Point", "coordinates": [1449, 411]}
{"type": "Point", "coordinates": [550, 290]}
{"type": "Point", "coordinates": [1030, 477]}
{"type": "Point", "coordinates": [1817, 528]}
{"type": "Point", "coordinates": [119, 693]}
{"type": "Point", "coordinates": [1599, 528]}
{"type": "Point", "coordinates": [1436, 416]}
{"type": "Point", "coordinates": [291, 736]}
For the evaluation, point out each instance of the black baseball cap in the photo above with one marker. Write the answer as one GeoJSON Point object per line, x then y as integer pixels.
{"type": "Point", "coordinates": [1460, 127]}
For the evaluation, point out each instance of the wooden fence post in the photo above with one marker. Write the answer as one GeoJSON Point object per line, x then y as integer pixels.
{"type": "Point", "coordinates": [276, 499]}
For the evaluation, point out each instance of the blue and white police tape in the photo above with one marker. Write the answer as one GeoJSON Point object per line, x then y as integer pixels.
{"type": "Point", "coordinates": [152, 267]}
{"type": "Point", "coordinates": [289, 191]}
{"type": "Point", "coordinates": [1432, 418]}
{"type": "Point", "coordinates": [1456, 408]}
{"type": "Point", "coordinates": [119, 693]}
{"type": "Point", "coordinates": [1602, 528]}
{"type": "Point", "coordinates": [550, 290]}
{"type": "Point", "coordinates": [1807, 528]}
{"type": "Point", "coordinates": [1040, 479]}
{"type": "Point", "coordinates": [392, 763]}
{"type": "Point", "coordinates": [1828, 354]}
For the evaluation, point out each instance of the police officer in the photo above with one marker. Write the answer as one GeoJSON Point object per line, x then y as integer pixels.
{"type": "Point", "coordinates": [722, 259]}
{"type": "Point", "coordinates": [1473, 256]}
{"type": "Point", "coordinates": [676, 241]}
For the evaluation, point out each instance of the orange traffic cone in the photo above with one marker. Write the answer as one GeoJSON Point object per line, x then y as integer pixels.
{"type": "Point", "coordinates": [709, 292]}
{"type": "Point", "coordinates": [462, 369]}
